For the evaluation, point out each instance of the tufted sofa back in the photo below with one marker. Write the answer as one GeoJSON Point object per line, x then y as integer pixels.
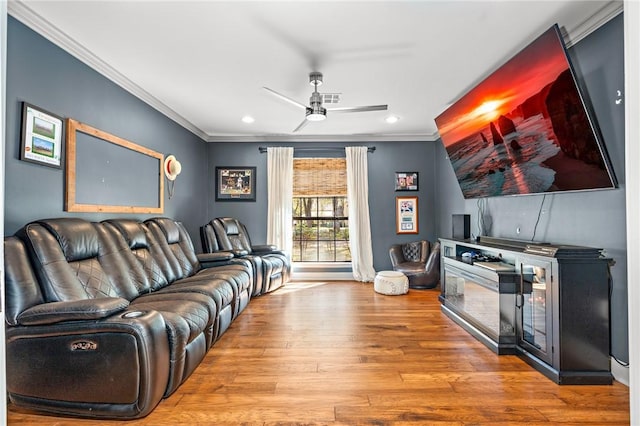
{"type": "Point", "coordinates": [416, 251]}
{"type": "Point", "coordinates": [176, 245]}
{"type": "Point", "coordinates": [157, 272]}
{"type": "Point", "coordinates": [74, 259]}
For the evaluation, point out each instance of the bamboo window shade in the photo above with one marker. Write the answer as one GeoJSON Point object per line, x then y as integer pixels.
{"type": "Point", "coordinates": [319, 177]}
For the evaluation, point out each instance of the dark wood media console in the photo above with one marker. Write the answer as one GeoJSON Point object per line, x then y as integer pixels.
{"type": "Point", "coordinates": [547, 303]}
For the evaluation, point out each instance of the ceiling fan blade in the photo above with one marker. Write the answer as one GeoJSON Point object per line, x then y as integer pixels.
{"type": "Point", "coordinates": [359, 108]}
{"type": "Point", "coordinates": [301, 125]}
{"type": "Point", "coordinates": [285, 98]}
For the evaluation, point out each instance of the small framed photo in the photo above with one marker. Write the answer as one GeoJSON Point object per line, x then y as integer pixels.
{"type": "Point", "coordinates": [406, 181]}
{"type": "Point", "coordinates": [406, 215]}
{"type": "Point", "coordinates": [41, 139]}
{"type": "Point", "coordinates": [235, 183]}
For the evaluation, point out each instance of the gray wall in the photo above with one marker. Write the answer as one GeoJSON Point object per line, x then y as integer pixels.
{"type": "Point", "coordinates": [388, 158]}
{"type": "Point", "coordinates": [595, 218]}
{"type": "Point", "coordinates": [40, 73]}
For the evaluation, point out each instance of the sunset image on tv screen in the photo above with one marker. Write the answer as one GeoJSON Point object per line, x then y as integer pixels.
{"type": "Point", "coordinates": [524, 129]}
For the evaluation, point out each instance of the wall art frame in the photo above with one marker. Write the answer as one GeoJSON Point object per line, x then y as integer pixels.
{"type": "Point", "coordinates": [235, 183]}
{"type": "Point", "coordinates": [406, 215]}
{"type": "Point", "coordinates": [72, 179]}
{"type": "Point", "coordinates": [41, 136]}
{"type": "Point", "coordinates": [406, 181]}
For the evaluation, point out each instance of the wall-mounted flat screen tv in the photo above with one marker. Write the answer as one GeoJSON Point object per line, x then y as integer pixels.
{"type": "Point", "coordinates": [525, 129]}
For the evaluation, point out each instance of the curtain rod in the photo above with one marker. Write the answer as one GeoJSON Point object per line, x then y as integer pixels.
{"type": "Point", "coordinates": [263, 149]}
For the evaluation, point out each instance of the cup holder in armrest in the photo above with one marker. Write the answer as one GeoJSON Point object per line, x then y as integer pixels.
{"type": "Point", "coordinates": [133, 314]}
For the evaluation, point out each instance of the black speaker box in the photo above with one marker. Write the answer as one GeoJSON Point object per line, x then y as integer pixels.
{"type": "Point", "coordinates": [461, 226]}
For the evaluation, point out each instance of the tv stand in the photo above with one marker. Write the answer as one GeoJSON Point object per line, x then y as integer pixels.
{"type": "Point", "coordinates": [547, 303]}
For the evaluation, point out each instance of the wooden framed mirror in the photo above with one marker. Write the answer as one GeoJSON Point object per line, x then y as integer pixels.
{"type": "Point", "coordinates": [105, 173]}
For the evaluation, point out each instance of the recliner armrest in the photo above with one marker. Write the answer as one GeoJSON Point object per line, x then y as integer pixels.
{"type": "Point", "coordinates": [240, 253]}
{"type": "Point", "coordinates": [211, 260]}
{"type": "Point", "coordinates": [264, 248]}
{"type": "Point", "coordinates": [215, 257]}
{"type": "Point", "coordinates": [77, 310]}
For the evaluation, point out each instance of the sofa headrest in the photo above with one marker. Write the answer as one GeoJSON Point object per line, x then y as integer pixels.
{"type": "Point", "coordinates": [132, 231]}
{"type": "Point", "coordinates": [169, 229]}
{"type": "Point", "coordinates": [230, 226]}
{"type": "Point", "coordinates": [208, 237]}
{"type": "Point", "coordinates": [77, 237]}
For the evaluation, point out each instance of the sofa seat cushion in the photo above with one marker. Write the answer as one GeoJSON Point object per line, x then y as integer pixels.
{"type": "Point", "coordinates": [189, 318]}
{"type": "Point", "coordinates": [239, 276]}
{"type": "Point", "coordinates": [197, 312]}
{"type": "Point", "coordinates": [410, 268]}
{"type": "Point", "coordinates": [218, 290]}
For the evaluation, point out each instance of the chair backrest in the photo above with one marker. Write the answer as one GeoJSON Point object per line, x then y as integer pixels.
{"type": "Point", "coordinates": [231, 234]}
{"type": "Point", "coordinates": [417, 251]}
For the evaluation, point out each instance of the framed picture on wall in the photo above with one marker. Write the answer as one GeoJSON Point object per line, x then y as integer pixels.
{"type": "Point", "coordinates": [406, 181]}
{"type": "Point", "coordinates": [406, 215]}
{"type": "Point", "coordinates": [41, 139]}
{"type": "Point", "coordinates": [235, 183]}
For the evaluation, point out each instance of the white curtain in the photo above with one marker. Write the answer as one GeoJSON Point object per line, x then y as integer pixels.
{"type": "Point", "coordinates": [359, 224]}
{"type": "Point", "coordinates": [280, 196]}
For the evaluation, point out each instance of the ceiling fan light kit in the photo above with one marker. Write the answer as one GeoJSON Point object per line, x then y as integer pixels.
{"type": "Point", "coordinates": [315, 111]}
{"type": "Point", "coordinates": [317, 114]}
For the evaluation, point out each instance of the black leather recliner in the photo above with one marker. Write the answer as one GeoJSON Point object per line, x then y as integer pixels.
{"type": "Point", "coordinates": [271, 267]}
{"type": "Point", "coordinates": [419, 261]}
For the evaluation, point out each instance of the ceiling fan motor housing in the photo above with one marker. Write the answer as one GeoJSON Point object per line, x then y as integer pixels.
{"type": "Point", "coordinates": [315, 78]}
{"type": "Point", "coordinates": [315, 112]}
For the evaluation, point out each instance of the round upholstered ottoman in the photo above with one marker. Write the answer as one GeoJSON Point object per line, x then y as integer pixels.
{"type": "Point", "coordinates": [391, 283]}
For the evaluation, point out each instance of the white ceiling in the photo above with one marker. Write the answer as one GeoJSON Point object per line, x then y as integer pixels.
{"type": "Point", "coordinates": [204, 63]}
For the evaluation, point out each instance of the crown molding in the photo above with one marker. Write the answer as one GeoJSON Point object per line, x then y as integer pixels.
{"type": "Point", "coordinates": [592, 23]}
{"type": "Point", "coordinates": [418, 137]}
{"type": "Point", "coordinates": [23, 13]}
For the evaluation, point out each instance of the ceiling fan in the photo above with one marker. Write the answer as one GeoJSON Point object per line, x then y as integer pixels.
{"type": "Point", "coordinates": [315, 111]}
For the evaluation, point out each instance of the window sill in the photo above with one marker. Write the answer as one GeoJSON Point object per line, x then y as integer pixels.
{"type": "Point", "coordinates": [330, 271]}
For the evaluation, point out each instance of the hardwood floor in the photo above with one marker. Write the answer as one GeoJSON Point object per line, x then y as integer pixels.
{"type": "Point", "coordinates": [339, 353]}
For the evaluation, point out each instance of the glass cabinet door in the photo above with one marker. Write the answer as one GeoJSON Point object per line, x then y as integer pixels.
{"type": "Point", "coordinates": [534, 309]}
{"type": "Point", "coordinates": [474, 297]}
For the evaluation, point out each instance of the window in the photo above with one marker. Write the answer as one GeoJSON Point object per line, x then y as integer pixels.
{"type": "Point", "coordinates": [320, 210]}
{"type": "Point", "coordinates": [320, 229]}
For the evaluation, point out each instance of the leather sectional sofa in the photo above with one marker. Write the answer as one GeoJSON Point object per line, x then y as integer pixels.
{"type": "Point", "coordinates": [106, 319]}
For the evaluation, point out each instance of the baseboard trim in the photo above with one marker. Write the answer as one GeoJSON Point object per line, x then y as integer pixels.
{"type": "Point", "coordinates": [321, 276]}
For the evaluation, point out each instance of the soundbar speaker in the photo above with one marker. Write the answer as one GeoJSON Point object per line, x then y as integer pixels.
{"type": "Point", "coordinates": [461, 226]}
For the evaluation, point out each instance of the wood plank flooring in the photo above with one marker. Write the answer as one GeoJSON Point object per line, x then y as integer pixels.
{"type": "Point", "coordinates": [339, 353]}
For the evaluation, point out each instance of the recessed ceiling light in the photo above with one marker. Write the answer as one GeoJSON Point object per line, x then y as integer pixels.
{"type": "Point", "coordinates": [392, 119]}
{"type": "Point", "coordinates": [248, 119]}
